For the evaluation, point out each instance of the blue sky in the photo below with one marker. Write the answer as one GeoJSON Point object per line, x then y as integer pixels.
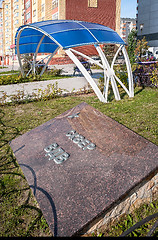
{"type": "Point", "coordinates": [128, 8]}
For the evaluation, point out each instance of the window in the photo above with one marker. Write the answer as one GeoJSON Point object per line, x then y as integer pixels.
{"type": "Point", "coordinates": [55, 16]}
{"type": "Point", "coordinates": [27, 5]}
{"type": "Point", "coordinates": [54, 4]}
{"type": "Point", "coordinates": [42, 8]}
{"type": "Point", "coordinates": [93, 3]}
{"type": "Point", "coordinates": [27, 16]}
{"type": "Point", "coordinates": [34, 13]}
{"type": "Point", "coordinates": [16, 21]}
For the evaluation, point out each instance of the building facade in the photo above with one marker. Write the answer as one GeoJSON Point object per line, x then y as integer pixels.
{"type": "Point", "coordinates": [126, 26]}
{"type": "Point", "coordinates": [147, 21]}
{"type": "Point", "coordinates": [1, 35]}
{"type": "Point", "coordinates": [7, 14]}
{"type": "Point", "coordinates": [11, 18]}
{"type": "Point", "coordinates": [15, 13]}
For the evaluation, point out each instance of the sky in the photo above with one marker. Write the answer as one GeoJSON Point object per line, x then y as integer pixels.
{"type": "Point", "coordinates": [128, 8]}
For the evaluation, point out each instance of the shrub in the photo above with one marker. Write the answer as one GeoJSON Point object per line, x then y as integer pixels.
{"type": "Point", "coordinates": [146, 75]}
{"type": "Point", "coordinates": [15, 78]}
{"type": "Point", "coordinates": [54, 72]}
{"type": "Point", "coordinates": [121, 73]}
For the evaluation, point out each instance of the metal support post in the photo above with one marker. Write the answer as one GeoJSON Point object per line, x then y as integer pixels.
{"type": "Point", "coordinates": [86, 75]}
{"type": "Point", "coordinates": [109, 72]}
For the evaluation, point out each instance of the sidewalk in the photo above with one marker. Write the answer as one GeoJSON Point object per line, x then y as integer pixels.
{"type": "Point", "coordinates": [69, 84]}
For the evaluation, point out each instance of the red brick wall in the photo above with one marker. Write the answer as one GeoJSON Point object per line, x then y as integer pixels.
{"type": "Point", "coordinates": [104, 14]}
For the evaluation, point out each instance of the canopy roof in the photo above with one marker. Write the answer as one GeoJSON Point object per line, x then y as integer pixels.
{"type": "Point", "coordinates": [62, 33]}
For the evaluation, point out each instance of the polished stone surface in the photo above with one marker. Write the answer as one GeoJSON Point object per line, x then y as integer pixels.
{"type": "Point", "coordinates": [95, 173]}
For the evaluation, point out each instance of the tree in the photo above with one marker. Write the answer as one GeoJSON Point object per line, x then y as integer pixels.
{"type": "Point", "coordinates": [141, 48]}
{"type": "Point", "coordinates": [132, 42]}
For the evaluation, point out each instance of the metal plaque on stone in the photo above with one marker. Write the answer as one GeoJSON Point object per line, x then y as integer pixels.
{"type": "Point", "coordinates": [79, 163]}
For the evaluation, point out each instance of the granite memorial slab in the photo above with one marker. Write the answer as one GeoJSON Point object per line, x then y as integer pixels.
{"type": "Point", "coordinates": [81, 162]}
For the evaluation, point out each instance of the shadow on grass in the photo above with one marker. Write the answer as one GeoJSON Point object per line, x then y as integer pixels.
{"type": "Point", "coordinates": [46, 196]}
{"type": "Point", "coordinates": [13, 187]}
{"type": "Point", "coordinates": [139, 91]}
{"type": "Point", "coordinates": [111, 95]}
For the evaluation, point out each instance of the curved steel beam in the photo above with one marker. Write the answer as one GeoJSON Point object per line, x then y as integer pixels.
{"type": "Point", "coordinates": [85, 56]}
{"type": "Point", "coordinates": [18, 52]}
{"type": "Point", "coordinates": [86, 75]}
{"type": "Point", "coordinates": [129, 70]}
{"type": "Point", "coordinates": [35, 54]}
{"type": "Point", "coordinates": [109, 72]}
{"type": "Point", "coordinates": [52, 54]}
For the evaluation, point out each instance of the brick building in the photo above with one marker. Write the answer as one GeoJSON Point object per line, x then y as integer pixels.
{"type": "Point", "coordinates": [106, 12]}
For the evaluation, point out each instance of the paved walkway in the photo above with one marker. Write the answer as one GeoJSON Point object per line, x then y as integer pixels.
{"type": "Point", "coordinates": [67, 84]}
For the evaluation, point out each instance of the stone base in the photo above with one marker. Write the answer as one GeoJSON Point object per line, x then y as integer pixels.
{"type": "Point", "coordinates": [144, 192]}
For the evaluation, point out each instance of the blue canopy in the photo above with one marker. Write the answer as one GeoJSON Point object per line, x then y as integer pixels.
{"type": "Point", "coordinates": [63, 33]}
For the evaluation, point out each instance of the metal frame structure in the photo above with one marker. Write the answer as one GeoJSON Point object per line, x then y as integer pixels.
{"type": "Point", "coordinates": [109, 73]}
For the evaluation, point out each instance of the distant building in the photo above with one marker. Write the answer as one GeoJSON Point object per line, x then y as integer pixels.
{"type": "Point", "coordinates": [126, 26]}
{"type": "Point", "coordinates": [10, 19]}
{"type": "Point", "coordinates": [1, 34]}
{"type": "Point", "coordinates": [147, 21]}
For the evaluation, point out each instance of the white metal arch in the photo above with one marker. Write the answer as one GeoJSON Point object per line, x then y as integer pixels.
{"type": "Point", "coordinates": [109, 74]}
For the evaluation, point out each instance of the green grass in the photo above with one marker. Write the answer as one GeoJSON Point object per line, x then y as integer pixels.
{"type": "Point", "coordinates": [17, 78]}
{"type": "Point", "coordinates": [19, 211]}
{"type": "Point", "coordinates": [9, 72]}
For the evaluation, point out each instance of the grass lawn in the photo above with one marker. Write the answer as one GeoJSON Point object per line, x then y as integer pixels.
{"type": "Point", "coordinates": [19, 211]}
